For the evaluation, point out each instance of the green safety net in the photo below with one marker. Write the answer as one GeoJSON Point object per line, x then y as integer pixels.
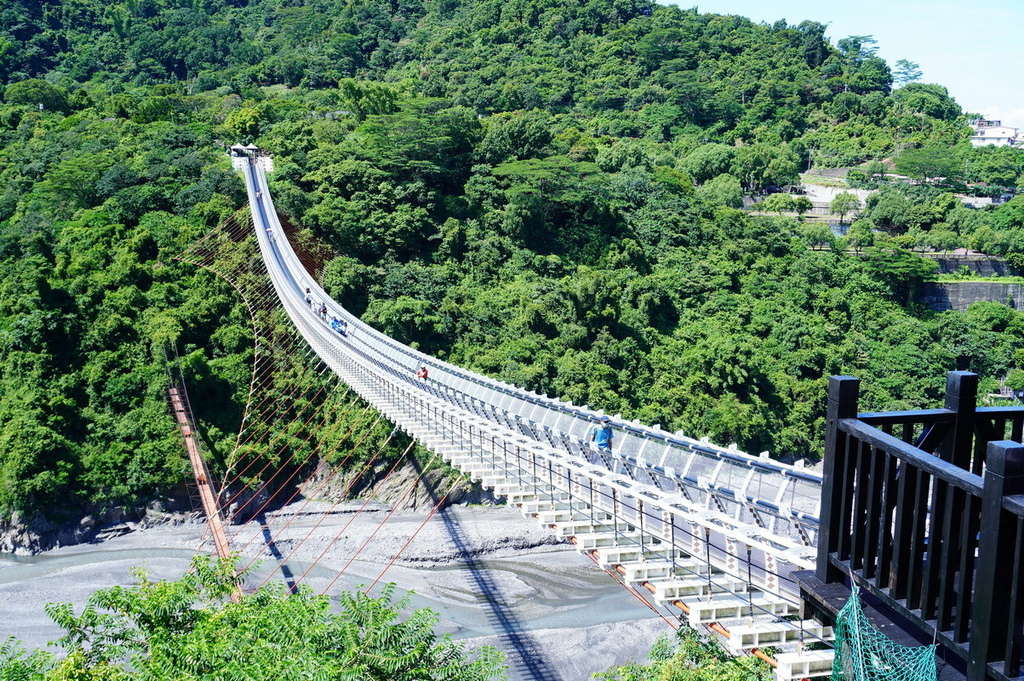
{"type": "Point", "coordinates": [865, 654]}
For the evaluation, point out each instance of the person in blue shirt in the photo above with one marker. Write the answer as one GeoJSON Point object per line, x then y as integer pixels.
{"type": "Point", "coordinates": [601, 434]}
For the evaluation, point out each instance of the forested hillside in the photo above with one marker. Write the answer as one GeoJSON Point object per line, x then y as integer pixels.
{"type": "Point", "coordinates": [546, 191]}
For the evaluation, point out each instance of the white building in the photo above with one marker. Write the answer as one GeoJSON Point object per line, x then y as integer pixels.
{"type": "Point", "coordinates": [994, 133]}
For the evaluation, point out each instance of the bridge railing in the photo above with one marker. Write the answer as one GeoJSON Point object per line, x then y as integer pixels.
{"type": "Point", "coordinates": [925, 510]}
{"type": "Point", "coordinates": [754, 490]}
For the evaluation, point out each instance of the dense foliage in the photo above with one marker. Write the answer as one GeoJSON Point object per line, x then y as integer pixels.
{"type": "Point", "coordinates": [690, 658]}
{"type": "Point", "coordinates": [542, 190]}
{"type": "Point", "coordinates": [201, 627]}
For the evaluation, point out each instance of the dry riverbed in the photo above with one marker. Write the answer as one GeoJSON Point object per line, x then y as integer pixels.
{"type": "Point", "coordinates": [494, 577]}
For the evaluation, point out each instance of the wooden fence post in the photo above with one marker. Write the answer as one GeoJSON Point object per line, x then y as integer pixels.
{"type": "Point", "coordinates": [955, 506]}
{"type": "Point", "coordinates": [962, 398]}
{"type": "Point", "coordinates": [991, 619]}
{"type": "Point", "coordinates": [843, 393]}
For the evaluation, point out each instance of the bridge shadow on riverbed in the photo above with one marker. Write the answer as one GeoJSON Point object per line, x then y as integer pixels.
{"type": "Point", "coordinates": [268, 539]}
{"type": "Point", "coordinates": [523, 655]}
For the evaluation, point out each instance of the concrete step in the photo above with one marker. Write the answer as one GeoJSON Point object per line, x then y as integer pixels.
{"type": "Point", "coordinates": [464, 462]}
{"type": "Point", "coordinates": [716, 608]}
{"type": "Point", "coordinates": [589, 541]}
{"type": "Point", "coordinates": [584, 527]}
{"type": "Point", "coordinates": [493, 480]}
{"type": "Point", "coordinates": [532, 500]}
{"type": "Point", "coordinates": [649, 571]}
{"type": "Point", "coordinates": [743, 638]}
{"type": "Point", "coordinates": [808, 664]}
{"type": "Point", "coordinates": [565, 515]}
{"type": "Point", "coordinates": [627, 555]}
{"type": "Point", "coordinates": [679, 589]}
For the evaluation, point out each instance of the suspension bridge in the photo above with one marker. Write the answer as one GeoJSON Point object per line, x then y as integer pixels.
{"type": "Point", "coordinates": [709, 536]}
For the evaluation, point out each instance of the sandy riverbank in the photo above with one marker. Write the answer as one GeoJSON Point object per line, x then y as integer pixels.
{"type": "Point", "coordinates": [494, 577]}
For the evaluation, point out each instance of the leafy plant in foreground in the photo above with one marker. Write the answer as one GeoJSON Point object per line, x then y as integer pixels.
{"type": "Point", "coordinates": [198, 628]}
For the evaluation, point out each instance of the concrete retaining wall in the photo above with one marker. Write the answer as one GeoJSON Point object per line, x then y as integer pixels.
{"type": "Point", "coordinates": [958, 295]}
{"type": "Point", "coordinates": [982, 265]}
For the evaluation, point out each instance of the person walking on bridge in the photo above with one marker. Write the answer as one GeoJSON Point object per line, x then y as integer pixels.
{"type": "Point", "coordinates": [601, 434]}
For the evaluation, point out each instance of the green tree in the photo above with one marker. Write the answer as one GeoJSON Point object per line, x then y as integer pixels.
{"type": "Point", "coordinates": [777, 203]}
{"type": "Point", "coordinates": [759, 165]}
{"type": "Point", "coordinates": [193, 627]}
{"type": "Point", "coordinates": [843, 204]}
{"type": "Point", "coordinates": [723, 190]}
{"type": "Point", "coordinates": [515, 136]}
{"type": "Point", "coordinates": [1003, 166]}
{"type": "Point", "coordinates": [816, 235]}
{"type": "Point", "coordinates": [906, 72]}
{"type": "Point", "coordinates": [690, 659]}
{"type": "Point", "coordinates": [901, 271]}
{"type": "Point", "coordinates": [708, 161]}
{"type": "Point", "coordinates": [861, 234]}
{"type": "Point", "coordinates": [944, 240]}
{"type": "Point", "coordinates": [244, 124]}
{"type": "Point", "coordinates": [37, 93]}
{"type": "Point", "coordinates": [364, 99]}
{"type": "Point", "coordinates": [930, 162]}
{"type": "Point", "coordinates": [893, 210]}
{"type": "Point", "coordinates": [802, 204]}
{"type": "Point", "coordinates": [927, 100]}
{"type": "Point", "coordinates": [1015, 380]}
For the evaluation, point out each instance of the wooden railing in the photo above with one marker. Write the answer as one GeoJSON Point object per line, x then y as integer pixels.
{"type": "Point", "coordinates": [924, 510]}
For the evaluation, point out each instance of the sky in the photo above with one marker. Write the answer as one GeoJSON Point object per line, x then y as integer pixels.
{"type": "Point", "coordinates": [975, 49]}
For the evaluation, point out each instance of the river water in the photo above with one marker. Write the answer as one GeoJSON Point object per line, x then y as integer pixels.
{"type": "Point", "coordinates": [556, 615]}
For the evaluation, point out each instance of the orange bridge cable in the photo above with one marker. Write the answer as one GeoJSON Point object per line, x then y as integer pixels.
{"type": "Point", "coordinates": [634, 592]}
{"type": "Point", "coordinates": [253, 320]}
{"type": "Point", "coordinates": [280, 434]}
{"type": "Point", "coordinates": [280, 467]}
{"type": "Point", "coordinates": [341, 497]}
{"type": "Point", "coordinates": [263, 358]}
{"type": "Point", "coordinates": [252, 314]}
{"type": "Point", "coordinates": [347, 456]}
{"type": "Point", "coordinates": [323, 516]}
{"type": "Point", "coordinates": [266, 413]}
{"type": "Point", "coordinates": [369, 497]}
{"type": "Point", "coordinates": [258, 425]}
{"type": "Point", "coordinates": [311, 431]}
{"type": "Point", "coordinates": [285, 432]}
{"type": "Point", "coordinates": [262, 366]}
{"type": "Point", "coordinates": [409, 541]}
{"type": "Point", "coordinates": [308, 262]}
{"type": "Point", "coordinates": [313, 451]}
{"type": "Point", "coordinates": [359, 511]}
{"type": "Point", "coordinates": [269, 394]}
{"type": "Point", "coordinates": [206, 252]}
{"type": "Point", "coordinates": [226, 481]}
{"type": "Point", "coordinates": [197, 247]}
{"type": "Point", "coordinates": [348, 408]}
{"type": "Point", "coordinates": [237, 230]}
{"type": "Point", "coordinates": [366, 501]}
{"type": "Point", "coordinates": [335, 424]}
{"type": "Point", "coordinates": [387, 517]}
